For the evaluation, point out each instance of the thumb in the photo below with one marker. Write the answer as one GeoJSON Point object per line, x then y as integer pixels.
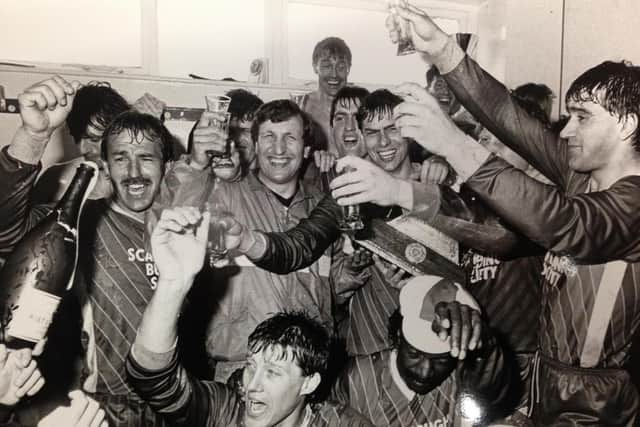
{"type": "Point", "coordinates": [202, 231]}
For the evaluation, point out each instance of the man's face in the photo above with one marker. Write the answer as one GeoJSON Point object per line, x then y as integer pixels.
{"type": "Point", "coordinates": [90, 144]}
{"type": "Point", "coordinates": [493, 144]}
{"type": "Point", "coordinates": [422, 372]}
{"type": "Point", "coordinates": [332, 74]}
{"type": "Point", "coordinates": [136, 168]}
{"type": "Point", "coordinates": [593, 136]}
{"type": "Point", "coordinates": [273, 389]}
{"type": "Point", "coordinates": [385, 146]}
{"type": "Point", "coordinates": [441, 92]}
{"type": "Point", "coordinates": [346, 134]}
{"type": "Point", "coordinates": [280, 151]}
{"type": "Point", "coordinates": [240, 132]}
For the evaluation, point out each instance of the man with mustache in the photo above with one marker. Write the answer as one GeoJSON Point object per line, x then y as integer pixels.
{"type": "Point", "coordinates": [116, 274]}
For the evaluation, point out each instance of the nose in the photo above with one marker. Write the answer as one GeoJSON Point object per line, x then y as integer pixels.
{"type": "Point", "coordinates": [134, 168]}
{"type": "Point", "coordinates": [384, 138]}
{"type": "Point", "coordinates": [279, 146]}
{"type": "Point", "coordinates": [569, 129]}
{"type": "Point", "coordinates": [253, 382]}
{"type": "Point", "coordinates": [423, 369]}
{"type": "Point", "coordinates": [351, 123]}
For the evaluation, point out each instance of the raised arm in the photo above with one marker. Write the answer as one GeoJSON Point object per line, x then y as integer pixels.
{"type": "Point", "coordinates": [43, 109]}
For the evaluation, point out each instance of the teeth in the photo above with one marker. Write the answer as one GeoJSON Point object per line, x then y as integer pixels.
{"type": "Point", "coordinates": [387, 153]}
{"type": "Point", "coordinates": [256, 408]}
{"type": "Point", "coordinates": [136, 189]}
{"type": "Point", "coordinates": [279, 162]}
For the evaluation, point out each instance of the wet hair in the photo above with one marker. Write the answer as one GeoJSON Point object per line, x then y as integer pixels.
{"type": "Point", "coordinates": [95, 104]}
{"type": "Point", "coordinates": [377, 104]}
{"type": "Point", "coordinates": [613, 85]}
{"type": "Point", "coordinates": [345, 96]}
{"type": "Point", "coordinates": [281, 110]}
{"type": "Point", "coordinates": [296, 337]}
{"type": "Point", "coordinates": [331, 46]}
{"type": "Point", "coordinates": [532, 95]}
{"type": "Point", "coordinates": [243, 105]}
{"type": "Point", "coordinates": [140, 126]}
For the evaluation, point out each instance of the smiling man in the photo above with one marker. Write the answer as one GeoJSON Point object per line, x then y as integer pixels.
{"type": "Point", "coordinates": [331, 61]}
{"type": "Point", "coordinates": [585, 220]}
{"type": "Point", "coordinates": [117, 274]}
{"type": "Point", "coordinates": [344, 125]}
{"type": "Point", "coordinates": [271, 198]}
{"type": "Point", "coordinates": [287, 353]}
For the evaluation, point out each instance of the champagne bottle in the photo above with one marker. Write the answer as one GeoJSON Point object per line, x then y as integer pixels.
{"type": "Point", "coordinates": [40, 269]}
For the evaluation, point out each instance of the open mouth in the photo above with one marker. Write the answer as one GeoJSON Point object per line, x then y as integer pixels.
{"type": "Point", "coordinates": [255, 408]}
{"type": "Point", "coordinates": [334, 83]}
{"type": "Point", "coordinates": [350, 140]}
{"type": "Point", "coordinates": [279, 162]}
{"type": "Point", "coordinates": [387, 155]}
{"type": "Point", "coordinates": [136, 190]}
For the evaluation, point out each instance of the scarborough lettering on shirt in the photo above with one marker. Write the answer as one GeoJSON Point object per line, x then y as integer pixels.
{"type": "Point", "coordinates": [443, 422]}
{"type": "Point", "coordinates": [140, 255]}
{"type": "Point", "coordinates": [556, 267]}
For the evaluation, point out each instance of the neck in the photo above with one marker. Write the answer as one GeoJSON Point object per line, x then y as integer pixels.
{"type": "Point", "coordinates": [138, 216]}
{"type": "Point", "coordinates": [296, 418]}
{"type": "Point", "coordinates": [404, 170]}
{"type": "Point", "coordinates": [285, 190]}
{"type": "Point", "coordinates": [325, 99]}
{"type": "Point", "coordinates": [625, 165]}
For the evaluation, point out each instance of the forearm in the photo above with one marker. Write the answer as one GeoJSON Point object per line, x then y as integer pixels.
{"type": "Point", "coordinates": [492, 105]}
{"type": "Point", "coordinates": [305, 243]}
{"type": "Point", "coordinates": [158, 331]}
{"type": "Point", "coordinates": [590, 227]}
{"type": "Point", "coordinates": [28, 147]}
{"type": "Point", "coordinates": [17, 215]}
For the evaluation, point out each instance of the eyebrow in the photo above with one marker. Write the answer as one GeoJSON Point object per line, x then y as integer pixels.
{"type": "Point", "coordinates": [571, 109]}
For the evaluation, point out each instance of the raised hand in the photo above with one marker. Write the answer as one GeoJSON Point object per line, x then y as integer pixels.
{"type": "Point", "coordinates": [179, 242]}
{"type": "Point", "coordinates": [435, 170]}
{"type": "Point", "coordinates": [459, 323]}
{"type": "Point", "coordinates": [149, 104]}
{"type": "Point", "coordinates": [324, 160]}
{"type": "Point", "coordinates": [45, 106]}
{"type": "Point", "coordinates": [19, 375]}
{"type": "Point", "coordinates": [368, 183]}
{"type": "Point", "coordinates": [207, 138]}
{"type": "Point", "coordinates": [427, 37]}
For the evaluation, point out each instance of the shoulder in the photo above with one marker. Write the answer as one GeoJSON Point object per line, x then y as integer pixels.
{"type": "Point", "coordinates": [339, 414]}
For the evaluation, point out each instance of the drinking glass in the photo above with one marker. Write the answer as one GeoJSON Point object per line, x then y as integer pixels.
{"type": "Point", "coordinates": [297, 97]}
{"type": "Point", "coordinates": [350, 220]}
{"type": "Point", "coordinates": [216, 247]}
{"type": "Point", "coordinates": [405, 45]}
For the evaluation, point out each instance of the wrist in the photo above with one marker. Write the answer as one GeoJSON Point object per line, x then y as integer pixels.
{"type": "Point", "coordinates": [197, 164]}
{"type": "Point", "coordinates": [28, 146]}
{"type": "Point", "coordinates": [254, 246]}
{"type": "Point", "coordinates": [172, 288]}
{"type": "Point", "coordinates": [403, 193]}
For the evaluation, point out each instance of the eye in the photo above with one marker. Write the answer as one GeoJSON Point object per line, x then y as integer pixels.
{"type": "Point", "coordinates": [338, 118]}
{"type": "Point", "coordinates": [273, 372]}
{"type": "Point", "coordinates": [370, 132]}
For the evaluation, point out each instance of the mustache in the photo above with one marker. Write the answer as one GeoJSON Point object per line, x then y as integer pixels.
{"type": "Point", "coordinates": [136, 181]}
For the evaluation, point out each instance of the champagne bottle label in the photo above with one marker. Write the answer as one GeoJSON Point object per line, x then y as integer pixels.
{"type": "Point", "coordinates": [31, 318]}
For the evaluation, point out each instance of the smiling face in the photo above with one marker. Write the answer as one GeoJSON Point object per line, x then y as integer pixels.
{"type": "Point", "coordinates": [275, 390]}
{"type": "Point", "coordinates": [332, 73]}
{"type": "Point", "coordinates": [593, 136]}
{"type": "Point", "coordinates": [385, 146]}
{"type": "Point", "coordinates": [346, 134]}
{"type": "Point", "coordinates": [136, 168]}
{"type": "Point", "coordinates": [422, 372]}
{"type": "Point", "coordinates": [240, 133]}
{"type": "Point", "coordinates": [280, 152]}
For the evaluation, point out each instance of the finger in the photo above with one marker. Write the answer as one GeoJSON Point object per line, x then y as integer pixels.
{"type": "Point", "coordinates": [412, 92]}
{"type": "Point", "coordinates": [465, 331]}
{"type": "Point", "coordinates": [397, 276]}
{"type": "Point", "coordinates": [203, 229]}
{"type": "Point", "coordinates": [39, 348]}
{"type": "Point", "coordinates": [89, 413]}
{"type": "Point", "coordinates": [178, 215]}
{"type": "Point", "coordinates": [350, 161]}
{"type": "Point", "coordinates": [24, 374]}
{"type": "Point", "coordinates": [98, 419]}
{"type": "Point", "coordinates": [29, 383]}
{"type": "Point", "coordinates": [476, 321]}
{"type": "Point", "coordinates": [21, 357]}
{"type": "Point", "coordinates": [349, 190]}
{"type": "Point", "coordinates": [48, 94]}
{"type": "Point", "coordinates": [33, 99]}
{"type": "Point", "coordinates": [205, 119]}
{"type": "Point", "coordinates": [36, 387]}
{"type": "Point", "coordinates": [78, 405]}
{"type": "Point", "coordinates": [57, 91]}
{"type": "Point", "coordinates": [455, 328]}
{"type": "Point", "coordinates": [65, 85]}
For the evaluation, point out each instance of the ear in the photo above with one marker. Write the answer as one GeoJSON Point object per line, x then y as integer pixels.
{"type": "Point", "coordinates": [629, 126]}
{"type": "Point", "coordinates": [315, 68]}
{"type": "Point", "coordinates": [310, 384]}
{"type": "Point", "coordinates": [306, 152]}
